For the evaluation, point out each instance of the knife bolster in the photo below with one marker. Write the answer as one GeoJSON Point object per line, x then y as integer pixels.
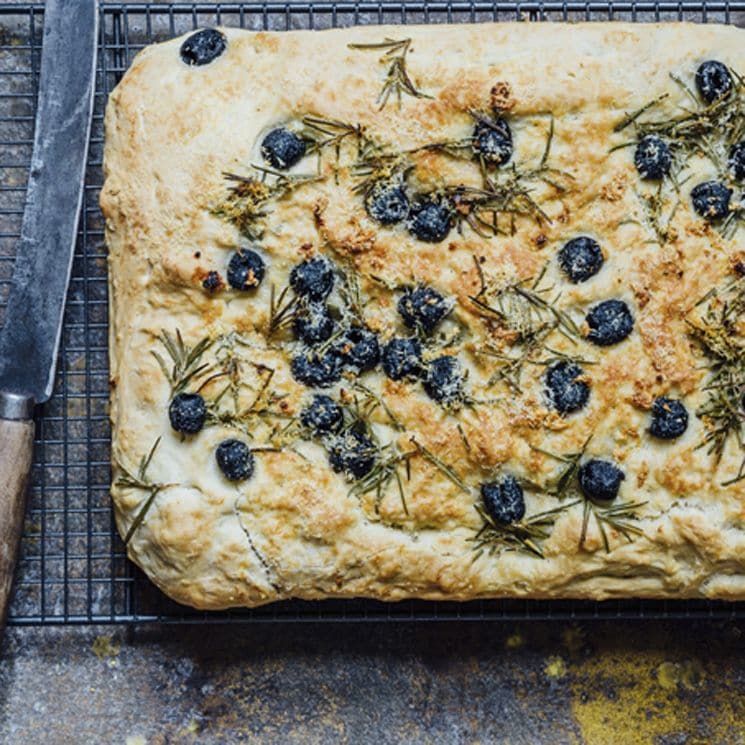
{"type": "Point", "coordinates": [16, 406]}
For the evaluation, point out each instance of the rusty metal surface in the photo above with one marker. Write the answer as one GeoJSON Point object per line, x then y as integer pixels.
{"type": "Point", "coordinates": [647, 682]}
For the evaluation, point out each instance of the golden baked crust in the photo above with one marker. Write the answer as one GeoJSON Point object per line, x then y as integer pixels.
{"type": "Point", "coordinates": [298, 529]}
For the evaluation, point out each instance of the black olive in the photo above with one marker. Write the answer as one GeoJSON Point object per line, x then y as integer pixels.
{"type": "Point", "coordinates": [423, 307]}
{"type": "Point", "coordinates": [402, 358]}
{"type": "Point", "coordinates": [323, 415]}
{"type": "Point", "coordinates": [212, 282]}
{"type": "Point", "coordinates": [492, 141]}
{"type": "Point", "coordinates": [503, 500]}
{"type": "Point", "coordinates": [235, 459]}
{"type": "Point", "coordinates": [610, 322]}
{"type": "Point", "coordinates": [359, 348]}
{"type": "Point", "coordinates": [580, 258]}
{"type": "Point", "coordinates": [203, 47]}
{"type": "Point", "coordinates": [430, 220]}
{"type": "Point", "coordinates": [282, 148]}
{"type": "Point", "coordinates": [444, 380]}
{"type": "Point", "coordinates": [187, 413]}
{"type": "Point", "coordinates": [387, 203]}
{"type": "Point", "coordinates": [245, 270]}
{"type": "Point", "coordinates": [354, 453]}
{"type": "Point", "coordinates": [713, 80]}
{"type": "Point", "coordinates": [565, 392]}
{"type": "Point", "coordinates": [600, 480]}
{"type": "Point", "coordinates": [711, 200]}
{"type": "Point", "coordinates": [313, 323]}
{"type": "Point", "coordinates": [736, 162]}
{"type": "Point", "coordinates": [652, 158]}
{"type": "Point", "coordinates": [317, 371]}
{"type": "Point", "coordinates": [669, 418]}
{"type": "Point", "coordinates": [313, 278]}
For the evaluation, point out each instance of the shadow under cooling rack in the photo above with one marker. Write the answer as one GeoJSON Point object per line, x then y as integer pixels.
{"type": "Point", "coordinates": [72, 567]}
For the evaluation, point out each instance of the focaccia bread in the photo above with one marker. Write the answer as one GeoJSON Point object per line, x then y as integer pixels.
{"type": "Point", "coordinates": [439, 312]}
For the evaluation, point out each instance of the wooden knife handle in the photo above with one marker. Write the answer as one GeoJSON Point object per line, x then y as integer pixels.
{"type": "Point", "coordinates": [16, 448]}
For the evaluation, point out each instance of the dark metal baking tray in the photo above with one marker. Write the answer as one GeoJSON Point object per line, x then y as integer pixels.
{"type": "Point", "coordinates": [73, 568]}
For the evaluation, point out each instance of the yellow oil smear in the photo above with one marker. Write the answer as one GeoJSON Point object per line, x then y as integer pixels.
{"type": "Point", "coordinates": [637, 696]}
{"type": "Point", "coordinates": [687, 674]}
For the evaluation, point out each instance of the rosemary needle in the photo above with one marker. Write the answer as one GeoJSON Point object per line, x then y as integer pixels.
{"type": "Point", "coordinates": [397, 81]}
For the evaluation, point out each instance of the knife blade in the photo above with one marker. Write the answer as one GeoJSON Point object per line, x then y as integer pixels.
{"type": "Point", "coordinates": [30, 337]}
{"type": "Point", "coordinates": [33, 321]}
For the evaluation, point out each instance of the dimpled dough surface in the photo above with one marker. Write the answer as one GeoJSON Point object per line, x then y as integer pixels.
{"type": "Point", "coordinates": [297, 528]}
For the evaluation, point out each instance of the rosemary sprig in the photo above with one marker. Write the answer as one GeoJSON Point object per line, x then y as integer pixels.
{"type": "Point", "coordinates": [629, 119]}
{"type": "Point", "coordinates": [186, 361]}
{"type": "Point", "coordinates": [706, 129]}
{"type": "Point", "coordinates": [397, 80]}
{"type": "Point", "coordinates": [511, 369]}
{"type": "Point", "coordinates": [229, 366]}
{"type": "Point", "coordinates": [617, 517]}
{"type": "Point", "coordinates": [723, 408]}
{"type": "Point", "coordinates": [140, 480]}
{"type": "Point", "coordinates": [654, 204]}
{"type": "Point", "coordinates": [248, 198]}
{"type": "Point", "coordinates": [738, 477]}
{"type": "Point", "coordinates": [379, 164]}
{"type": "Point", "coordinates": [374, 160]}
{"type": "Point", "coordinates": [351, 292]}
{"type": "Point", "coordinates": [461, 147]}
{"type": "Point", "coordinates": [464, 438]}
{"type": "Point", "coordinates": [506, 192]}
{"type": "Point", "coordinates": [440, 465]}
{"type": "Point", "coordinates": [716, 332]}
{"type": "Point", "coordinates": [226, 407]}
{"type": "Point", "coordinates": [525, 535]}
{"type": "Point", "coordinates": [521, 307]}
{"type": "Point", "coordinates": [261, 405]}
{"type": "Point", "coordinates": [326, 133]}
{"type": "Point", "coordinates": [384, 472]}
{"type": "Point", "coordinates": [567, 476]}
{"type": "Point", "coordinates": [710, 130]}
{"type": "Point", "coordinates": [372, 401]}
{"type": "Point", "coordinates": [281, 310]}
{"type": "Point", "coordinates": [481, 208]}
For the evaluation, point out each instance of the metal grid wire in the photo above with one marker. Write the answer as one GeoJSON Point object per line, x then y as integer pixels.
{"type": "Point", "coordinates": [72, 567]}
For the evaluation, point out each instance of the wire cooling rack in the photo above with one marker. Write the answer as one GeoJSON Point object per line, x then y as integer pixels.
{"type": "Point", "coordinates": [73, 568]}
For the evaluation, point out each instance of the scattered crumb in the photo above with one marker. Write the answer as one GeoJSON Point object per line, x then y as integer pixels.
{"type": "Point", "coordinates": [501, 97]}
{"type": "Point", "coordinates": [515, 641]}
{"type": "Point", "coordinates": [573, 639]}
{"type": "Point", "coordinates": [555, 668]}
{"type": "Point", "coordinates": [613, 190]}
{"type": "Point", "coordinates": [105, 648]}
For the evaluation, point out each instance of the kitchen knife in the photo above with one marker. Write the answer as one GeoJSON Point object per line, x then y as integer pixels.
{"type": "Point", "coordinates": [30, 336]}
